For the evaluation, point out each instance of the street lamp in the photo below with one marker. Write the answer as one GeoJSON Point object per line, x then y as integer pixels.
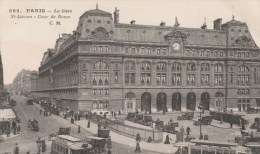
{"type": "Point", "coordinates": [39, 144]}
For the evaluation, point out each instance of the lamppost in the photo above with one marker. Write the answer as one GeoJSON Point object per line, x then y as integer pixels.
{"type": "Point", "coordinates": [39, 144]}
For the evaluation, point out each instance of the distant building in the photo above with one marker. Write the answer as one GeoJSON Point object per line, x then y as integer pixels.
{"type": "Point", "coordinates": [1, 74]}
{"type": "Point", "coordinates": [107, 64]}
{"type": "Point", "coordinates": [25, 81]}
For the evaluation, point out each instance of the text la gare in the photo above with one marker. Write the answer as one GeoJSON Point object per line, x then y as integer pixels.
{"type": "Point", "coordinates": [62, 11]}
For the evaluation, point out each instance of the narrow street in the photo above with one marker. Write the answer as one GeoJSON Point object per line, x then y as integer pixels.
{"type": "Point", "coordinates": [48, 125]}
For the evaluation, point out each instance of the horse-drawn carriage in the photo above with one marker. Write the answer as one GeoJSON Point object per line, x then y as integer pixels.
{"type": "Point", "coordinates": [205, 120]}
{"type": "Point", "coordinates": [33, 125]}
{"type": "Point", "coordinates": [256, 124]}
{"type": "Point", "coordinates": [171, 127]}
{"type": "Point", "coordinates": [159, 124]}
{"type": "Point", "coordinates": [189, 115]}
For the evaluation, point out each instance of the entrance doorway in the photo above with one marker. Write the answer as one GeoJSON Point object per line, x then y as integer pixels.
{"type": "Point", "coordinates": [161, 102]}
{"type": "Point", "coordinates": [191, 101]}
{"type": "Point", "coordinates": [176, 101]}
{"type": "Point", "coordinates": [205, 100]}
{"type": "Point", "coordinates": [146, 102]}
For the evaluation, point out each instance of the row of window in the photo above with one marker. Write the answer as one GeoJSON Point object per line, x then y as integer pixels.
{"type": "Point", "coordinates": [100, 105]}
{"type": "Point", "coordinates": [243, 91]}
{"type": "Point", "coordinates": [159, 51]}
{"type": "Point", "coordinates": [243, 54]}
{"type": "Point", "coordinates": [100, 92]}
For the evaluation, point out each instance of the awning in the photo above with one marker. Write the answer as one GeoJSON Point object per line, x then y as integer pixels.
{"type": "Point", "coordinates": [6, 114]}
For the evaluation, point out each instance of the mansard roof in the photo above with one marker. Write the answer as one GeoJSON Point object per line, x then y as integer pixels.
{"type": "Point", "coordinates": [96, 12]}
{"type": "Point", "coordinates": [156, 34]}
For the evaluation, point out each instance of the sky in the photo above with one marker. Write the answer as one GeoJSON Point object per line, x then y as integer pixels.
{"type": "Point", "coordinates": [23, 41]}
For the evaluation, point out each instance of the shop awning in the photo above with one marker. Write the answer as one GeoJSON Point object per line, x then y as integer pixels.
{"type": "Point", "coordinates": [6, 114]}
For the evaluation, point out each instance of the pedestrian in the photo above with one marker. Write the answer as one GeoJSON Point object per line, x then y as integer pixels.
{"type": "Point", "coordinates": [40, 111]}
{"type": "Point", "coordinates": [188, 130]}
{"type": "Point", "coordinates": [44, 146]}
{"type": "Point", "coordinates": [105, 116]}
{"type": "Point", "coordinates": [86, 116]}
{"type": "Point", "coordinates": [79, 117]}
{"type": "Point", "coordinates": [243, 124]}
{"type": "Point", "coordinates": [138, 137]}
{"type": "Point", "coordinates": [18, 128]}
{"type": "Point", "coordinates": [167, 140]}
{"type": "Point", "coordinates": [16, 149]}
{"type": "Point", "coordinates": [149, 139]}
{"type": "Point", "coordinates": [99, 126]}
{"type": "Point", "coordinates": [75, 117]}
{"type": "Point", "coordinates": [137, 148]}
{"type": "Point", "coordinates": [72, 120]}
{"type": "Point", "coordinates": [88, 124]}
{"type": "Point", "coordinates": [182, 133]}
{"type": "Point", "coordinates": [79, 129]}
{"type": "Point", "coordinates": [231, 123]}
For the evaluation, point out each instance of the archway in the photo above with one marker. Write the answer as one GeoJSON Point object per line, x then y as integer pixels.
{"type": "Point", "coordinates": [176, 101]}
{"type": "Point", "coordinates": [205, 100]}
{"type": "Point", "coordinates": [161, 102]}
{"type": "Point", "coordinates": [191, 101]}
{"type": "Point", "coordinates": [146, 102]}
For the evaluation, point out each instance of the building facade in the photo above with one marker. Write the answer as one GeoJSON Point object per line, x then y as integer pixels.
{"type": "Point", "coordinates": [105, 64]}
{"type": "Point", "coordinates": [25, 81]}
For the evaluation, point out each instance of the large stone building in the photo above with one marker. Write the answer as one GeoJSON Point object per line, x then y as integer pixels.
{"type": "Point", "coordinates": [25, 81]}
{"type": "Point", "coordinates": [108, 64]}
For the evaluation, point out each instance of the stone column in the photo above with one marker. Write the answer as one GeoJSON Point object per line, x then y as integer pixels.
{"type": "Point", "coordinates": [198, 84]}
{"type": "Point", "coordinates": [212, 75]}
{"type": "Point", "coordinates": [138, 72]}
{"type": "Point", "coordinates": [183, 74]}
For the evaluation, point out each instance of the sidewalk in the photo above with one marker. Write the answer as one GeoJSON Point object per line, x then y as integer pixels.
{"type": "Point", "coordinates": [121, 139]}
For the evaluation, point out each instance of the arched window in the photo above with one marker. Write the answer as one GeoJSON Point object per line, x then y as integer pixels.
{"type": "Point", "coordinates": [130, 72]}
{"type": "Point", "coordinates": [176, 74]}
{"type": "Point", "coordinates": [100, 73]}
{"type": "Point", "coordinates": [161, 73]}
{"type": "Point", "coordinates": [145, 73]}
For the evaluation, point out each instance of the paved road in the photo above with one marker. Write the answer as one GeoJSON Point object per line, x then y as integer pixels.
{"type": "Point", "coordinates": [48, 125]}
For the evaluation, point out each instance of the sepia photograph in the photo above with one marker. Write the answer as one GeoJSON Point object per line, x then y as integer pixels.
{"type": "Point", "coordinates": [129, 76]}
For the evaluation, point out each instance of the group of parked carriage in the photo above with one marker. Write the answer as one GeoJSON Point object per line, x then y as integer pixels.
{"type": "Point", "coordinates": [48, 107]}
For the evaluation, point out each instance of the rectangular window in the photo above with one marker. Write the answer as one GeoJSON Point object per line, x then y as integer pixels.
{"type": "Point", "coordinates": [133, 51]}
{"type": "Point", "coordinates": [132, 78]}
{"type": "Point", "coordinates": [127, 78]}
{"type": "Point", "coordinates": [94, 48]}
{"type": "Point", "coordinates": [100, 48]}
{"type": "Point", "coordinates": [231, 78]}
{"type": "Point", "coordinates": [116, 77]}
{"type": "Point", "coordinates": [84, 77]}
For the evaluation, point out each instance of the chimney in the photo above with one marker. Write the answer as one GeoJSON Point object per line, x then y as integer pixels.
{"type": "Point", "coordinates": [204, 26]}
{"type": "Point", "coordinates": [116, 16]}
{"type": "Point", "coordinates": [162, 24]}
{"type": "Point", "coordinates": [132, 22]}
{"type": "Point", "coordinates": [217, 24]}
